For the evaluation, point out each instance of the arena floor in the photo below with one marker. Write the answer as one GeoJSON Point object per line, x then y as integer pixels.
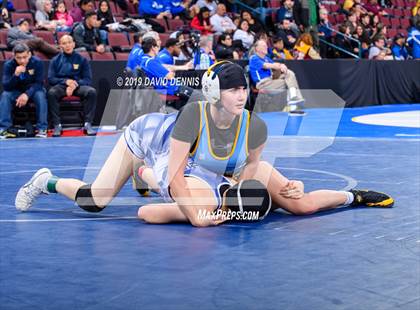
{"type": "Point", "coordinates": [59, 257]}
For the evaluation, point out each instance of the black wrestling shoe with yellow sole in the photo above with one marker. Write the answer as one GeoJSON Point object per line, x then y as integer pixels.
{"type": "Point", "coordinates": [371, 199]}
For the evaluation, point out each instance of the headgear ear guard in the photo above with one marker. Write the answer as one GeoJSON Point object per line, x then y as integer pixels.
{"type": "Point", "coordinates": [210, 83]}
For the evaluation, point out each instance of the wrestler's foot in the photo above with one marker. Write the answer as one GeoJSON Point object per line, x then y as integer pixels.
{"type": "Point", "coordinates": [37, 185]}
{"type": "Point", "coordinates": [139, 185]}
{"type": "Point", "coordinates": [371, 199]}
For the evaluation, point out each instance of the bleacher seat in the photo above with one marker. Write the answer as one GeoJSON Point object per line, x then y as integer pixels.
{"type": "Point", "coordinates": [398, 13]}
{"type": "Point", "coordinates": [3, 39]}
{"type": "Point", "coordinates": [121, 56]}
{"type": "Point", "coordinates": [85, 55]}
{"type": "Point", "coordinates": [335, 8]}
{"type": "Point", "coordinates": [391, 33]}
{"type": "Point", "coordinates": [385, 21]}
{"type": "Point", "coordinates": [395, 23]}
{"type": "Point", "coordinates": [1, 55]}
{"type": "Point", "coordinates": [103, 56]}
{"type": "Point", "coordinates": [69, 4]}
{"type": "Point", "coordinates": [8, 55]}
{"type": "Point", "coordinates": [21, 5]}
{"type": "Point", "coordinates": [47, 36]}
{"type": "Point", "coordinates": [16, 16]}
{"type": "Point", "coordinates": [275, 4]}
{"type": "Point", "coordinates": [164, 37]}
{"type": "Point", "coordinates": [119, 41]}
{"type": "Point", "coordinates": [405, 23]}
{"type": "Point", "coordinates": [175, 24]}
{"type": "Point", "coordinates": [340, 18]}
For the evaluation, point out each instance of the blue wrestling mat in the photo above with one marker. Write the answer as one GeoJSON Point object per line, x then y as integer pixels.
{"type": "Point", "coordinates": [56, 256]}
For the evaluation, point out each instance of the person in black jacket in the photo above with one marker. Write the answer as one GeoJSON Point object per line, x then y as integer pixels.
{"type": "Point", "coordinates": [23, 80]}
{"type": "Point", "coordinates": [287, 34]}
{"type": "Point", "coordinates": [224, 48]}
{"type": "Point", "coordinates": [69, 74]}
{"type": "Point", "coordinates": [86, 35]}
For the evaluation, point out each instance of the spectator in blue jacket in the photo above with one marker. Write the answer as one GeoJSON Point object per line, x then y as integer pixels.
{"type": "Point", "coordinates": [177, 8]}
{"type": "Point", "coordinates": [413, 39]}
{"type": "Point", "coordinates": [136, 54]}
{"type": "Point", "coordinates": [167, 56]}
{"type": "Point", "coordinates": [154, 9]}
{"type": "Point", "coordinates": [23, 80]}
{"type": "Point", "coordinates": [69, 74]}
{"type": "Point", "coordinates": [399, 51]}
{"type": "Point", "coordinates": [162, 79]}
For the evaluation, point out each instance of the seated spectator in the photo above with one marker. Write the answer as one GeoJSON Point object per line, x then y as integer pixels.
{"type": "Point", "coordinates": [273, 77]}
{"type": "Point", "coordinates": [278, 52]}
{"type": "Point", "coordinates": [244, 34]}
{"type": "Point", "coordinates": [324, 27]}
{"type": "Point", "coordinates": [167, 54]}
{"type": "Point", "coordinates": [86, 35]}
{"type": "Point", "coordinates": [163, 77]}
{"type": "Point", "coordinates": [378, 50]}
{"type": "Point", "coordinates": [361, 35]}
{"type": "Point", "coordinates": [136, 53]}
{"type": "Point", "coordinates": [224, 48]}
{"type": "Point", "coordinates": [211, 5]}
{"type": "Point", "coordinates": [304, 48]}
{"type": "Point", "coordinates": [185, 45]}
{"type": "Point", "coordinates": [373, 8]}
{"type": "Point", "coordinates": [42, 15]}
{"type": "Point", "coordinates": [286, 11]}
{"type": "Point", "coordinates": [413, 39]}
{"type": "Point", "coordinates": [343, 40]}
{"type": "Point", "coordinates": [21, 34]}
{"type": "Point", "coordinates": [6, 7]}
{"type": "Point", "coordinates": [64, 19]}
{"type": "Point", "coordinates": [78, 12]}
{"type": "Point", "coordinates": [365, 22]}
{"type": "Point", "coordinates": [399, 50]}
{"type": "Point", "coordinates": [204, 57]}
{"type": "Point", "coordinates": [154, 9]}
{"type": "Point", "coordinates": [201, 22]}
{"type": "Point", "coordinates": [178, 9]}
{"type": "Point", "coordinates": [352, 22]}
{"type": "Point", "coordinates": [416, 9]}
{"type": "Point", "coordinates": [288, 35]}
{"type": "Point", "coordinates": [254, 25]}
{"type": "Point", "coordinates": [69, 74]}
{"type": "Point", "coordinates": [221, 22]}
{"type": "Point", "coordinates": [23, 78]}
{"type": "Point", "coordinates": [104, 15]}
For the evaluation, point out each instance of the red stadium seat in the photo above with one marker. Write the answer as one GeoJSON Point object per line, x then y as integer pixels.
{"type": "Point", "coordinates": [60, 34]}
{"type": "Point", "coordinates": [275, 4]}
{"type": "Point", "coordinates": [103, 56]}
{"type": "Point", "coordinates": [164, 37]}
{"type": "Point", "coordinates": [389, 11]}
{"type": "Point", "coordinates": [395, 23]}
{"type": "Point", "coordinates": [131, 8]}
{"type": "Point", "coordinates": [85, 55]}
{"type": "Point", "coordinates": [121, 56]}
{"type": "Point", "coordinates": [398, 12]}
{"type": "Point", "coordinates": [21, 5]}
{"type": "Point", "coordinates": [334, 8]}
{"type": "Point", "coordinates": [69, 4]}
{"type": "Point", "coordinates": [16, 16]}
{"type": "Point", "coordinates": [47, 36]}
{"type": "Point", "coordinates": [385, 21]}
{"type": "Point", "coordinates": [175, 24]}
{"type": "Point", "coordinates": [3, 39]}
{"type": "Point", "coordinates": [405, 23]}
{"type": "Point", "coordinates": [119, 41]}
{"type": "Point", "coordinates": [340, 18]}
{"type": "Point", "coordinates": [1, 55]}
{"type": "Point", "coordinates": [404, 32]}
{"type": "Point", "coordinates": [391, 33]}
{"type": "Point", "coordinates": [407, 13]}
{"type": "Point", "coordinates": [8, 55]}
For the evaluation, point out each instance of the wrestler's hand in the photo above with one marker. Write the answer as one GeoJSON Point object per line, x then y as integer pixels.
{"type": "Point", "coordinates": [293, 190]}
